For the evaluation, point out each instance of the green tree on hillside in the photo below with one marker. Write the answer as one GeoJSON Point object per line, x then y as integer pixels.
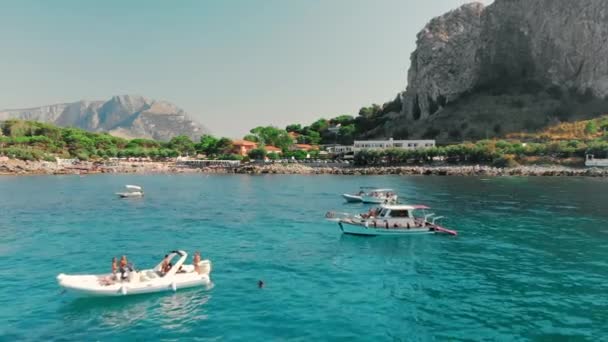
{"type": "Point", "coordinates": [347, 134]}
{"type": "Point", "coordinates": [320, 125]}
{"type": "Point", "coordinates": [224, 146]}
{"type": "Point", "coordinates": [207, 145]}
{"type": "Point", "coordinates": [311, 137]}
{"type": "Point", "coordinates": [271, 135]}
{"type": "Point", "coordinates": [591, 127]}
{"type": "Point", "coordinates": [343, 120]}
{"type": "Point", "coordinates": [294, 128]}
{"type": "Point", "coordinates": [183, 144]}
{"type": "Point", "coordinates": [370, 111]}
{"type": "Point", "coordinates": [257, 153]}
{"type": "Point", "coordinates": [143, 143]}
{"type": "Point", "coordinates": [251, 137]}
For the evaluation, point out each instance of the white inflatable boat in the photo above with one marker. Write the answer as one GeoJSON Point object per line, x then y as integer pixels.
{"type": "Point", "coordinates": [132, 191]}
{"type": "Point", "coordinates": [180, 276]}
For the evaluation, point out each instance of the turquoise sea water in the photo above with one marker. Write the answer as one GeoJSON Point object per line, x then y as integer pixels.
{"type": "Point", "coordinates": [531, 260]}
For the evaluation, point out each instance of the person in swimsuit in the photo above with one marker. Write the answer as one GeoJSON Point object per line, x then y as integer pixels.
{"type": "Point", "coordinates": [123, 267]}
{"type": "Point", "coordinates": [110, 279]}
{"type": "Point", "coordinates": [196, 259]}
{"type": "Point", "coordinates": [166, 266]}
{"type": "Point", "coordinates": [114, 266]}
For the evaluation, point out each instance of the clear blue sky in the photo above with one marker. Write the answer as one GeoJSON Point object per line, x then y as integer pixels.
{"type": "Point", "coordinates": [232, 64]}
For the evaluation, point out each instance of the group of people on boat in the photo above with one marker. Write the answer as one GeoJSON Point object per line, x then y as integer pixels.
{"type": "Point", "coordinates": [373, 212]}
{"type": "Point", "coordinates": [382, 194]}
{"type": "Point", "coordinates": [167, 265]}
{"type": "Point", "coordinates": [120, 271]}
{"type": "Point", "coordinates": [122, 268]}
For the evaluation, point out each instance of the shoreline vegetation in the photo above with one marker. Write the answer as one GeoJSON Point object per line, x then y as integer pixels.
{"type": "Point", "coordinates": [29, 147]}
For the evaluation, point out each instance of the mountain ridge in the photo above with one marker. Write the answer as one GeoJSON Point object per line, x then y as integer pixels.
{"type": "Point", "coordinates": [127, 116]}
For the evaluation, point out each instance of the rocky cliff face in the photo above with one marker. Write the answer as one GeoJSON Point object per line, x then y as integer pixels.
{"type": "Point", "coordinates": [558, 44]}
{"type": "Point", "coordinates": [561, 42]}
{"type": "Point", "coordinates": [444, 64]}
{"type": "Point", "coordinates": [127, 116]}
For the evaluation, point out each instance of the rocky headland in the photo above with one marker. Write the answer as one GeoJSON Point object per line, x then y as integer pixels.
{"type": "Point", "coordinates": [515, 65]}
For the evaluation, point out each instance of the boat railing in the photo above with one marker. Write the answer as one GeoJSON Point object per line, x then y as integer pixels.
{"type": "Point", "coordinates": [436, 218]}
{"type": "Point", "coordinates": [432, 219]}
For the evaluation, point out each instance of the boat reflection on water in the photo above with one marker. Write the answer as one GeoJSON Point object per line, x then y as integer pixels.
{"type": "Point", "coordinates": [404, 246]}
{"type": "Point", "coordinates": [174, 311]}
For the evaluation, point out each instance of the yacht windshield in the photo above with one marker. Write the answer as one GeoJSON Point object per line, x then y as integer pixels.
{"type": "Point", "coordinates": [418, 213]}
{"type": "Point", "coordinates": [399, 213]}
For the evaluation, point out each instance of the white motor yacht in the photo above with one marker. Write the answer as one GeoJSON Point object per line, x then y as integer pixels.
{"type": "Point", "coordinates": [390, 220]}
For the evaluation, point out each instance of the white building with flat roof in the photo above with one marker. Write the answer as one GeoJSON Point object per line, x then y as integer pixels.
{"type": "Point", "coordinates": [591, 161]}
{"type": "Point", "coordinates": [340, 149]}
{"type": "Point", "coordinates": [390, 143]}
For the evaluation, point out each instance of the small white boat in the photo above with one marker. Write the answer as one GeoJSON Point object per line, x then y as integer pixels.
{"type": "Point", "coordinates": [372, 195]}
{"type": "Point", "coordinates": [390, 220]}
{"type": "Point", "coordinates": [132, 191]}
{"type": "Point", "coordinates": [180, 276]}
{"type": "Point", "coordinates": [380, 196]}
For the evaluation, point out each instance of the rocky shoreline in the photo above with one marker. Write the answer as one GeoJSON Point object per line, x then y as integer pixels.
{"type": "Point", "coordinates": [453, 170]}
{"type": "Point", "coordinates": [20, 167]}
{"type": "Point", "coordinates": [23, 167]}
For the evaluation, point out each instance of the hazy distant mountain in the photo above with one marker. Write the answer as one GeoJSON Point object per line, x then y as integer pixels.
{"type": "Point", "coordinates": [128, 116]}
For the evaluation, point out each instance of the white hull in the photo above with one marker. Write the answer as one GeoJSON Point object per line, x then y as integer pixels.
{"type": "Point", "coordinates": [146, 281]}
{"type": "Point", "coordinates": [117, 290]}
{"type": "Point", "coordinates": [352, 198]}
{"type": "Point", "coordinates": [360, 229]}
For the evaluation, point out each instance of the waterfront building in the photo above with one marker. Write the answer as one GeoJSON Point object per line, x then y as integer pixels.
{"type": "Point", "coordinates": [591, 161]}
{"type": "Point", "coordinates": [340, 149]}
{"type": "Point", "coordinates": [379, 145]}
{"type": "Point", "coordinates": [303, 147]}
{"type": "Point", "coordinates": [242, 147]}
{"type": "Point", "coordinates": [272, 149]}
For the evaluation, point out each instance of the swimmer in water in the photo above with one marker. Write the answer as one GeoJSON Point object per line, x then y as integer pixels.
{"type": "Point", "coordinates": [260, 284]}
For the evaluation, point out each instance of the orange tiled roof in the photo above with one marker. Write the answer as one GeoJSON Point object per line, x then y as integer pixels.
{"type": "Point", "coordinates": [270, 148]}
{"type": "Point", "coordinates": [241, 142]}
{"type": "Point", "coordinates": [303, 146]}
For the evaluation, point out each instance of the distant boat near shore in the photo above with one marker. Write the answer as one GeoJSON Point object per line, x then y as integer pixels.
{"type": "Point", "coordinates": [132, 191]}
{"type": "Point", "coordinates": [372, 195]}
